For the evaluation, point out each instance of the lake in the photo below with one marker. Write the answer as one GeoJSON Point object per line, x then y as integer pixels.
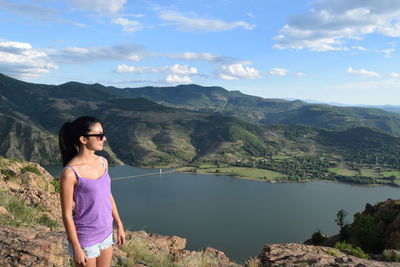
{"type": "Point", "coordinates": [233, 215]}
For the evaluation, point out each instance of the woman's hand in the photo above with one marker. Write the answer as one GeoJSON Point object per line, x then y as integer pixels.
{"type": "Point", "coordinates": [120, 236]}
{"type": "Point", "coordinates": [80, 256]}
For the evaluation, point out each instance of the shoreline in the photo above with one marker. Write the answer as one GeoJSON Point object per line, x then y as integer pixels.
{"type": "Point", "coordinates": [186, 170]}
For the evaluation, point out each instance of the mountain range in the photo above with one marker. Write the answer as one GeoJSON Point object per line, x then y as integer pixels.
{"type": "Point", "coordinates": [188, 124]}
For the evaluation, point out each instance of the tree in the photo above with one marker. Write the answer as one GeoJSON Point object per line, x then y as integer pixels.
{"type": "Point", "coordinates": [340, 219]}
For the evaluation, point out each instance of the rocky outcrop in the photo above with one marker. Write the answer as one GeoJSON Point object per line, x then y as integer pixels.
{"type": "Point", "coordinates": [37, 246]}
{"type": "Point", "coordinates": [171, 248]}
{"type": "Point", "coordinates": [32, 184]}
{"type": "Point", "coordinates": [376, 228]}
{"type": "Point", "coordinates": [306, 255]}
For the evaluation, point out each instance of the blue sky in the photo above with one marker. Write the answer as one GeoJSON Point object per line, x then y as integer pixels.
{"type": "Point", "coordinates": [334, 51]}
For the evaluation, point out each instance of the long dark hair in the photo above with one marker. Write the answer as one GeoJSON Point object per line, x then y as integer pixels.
{"type": "Point", "coordinates": [68, 139]}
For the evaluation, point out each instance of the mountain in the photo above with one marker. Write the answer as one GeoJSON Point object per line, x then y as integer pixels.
{"type": "Point", "coordinates": [269, 111]}
{"type": "Point", "coordinates": [38, 144]}
{"type": "Point", "coordinates": [145, 133]}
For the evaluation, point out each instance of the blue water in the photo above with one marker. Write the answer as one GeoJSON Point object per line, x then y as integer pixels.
{"type": "Point", "coordinates": [236, 216]}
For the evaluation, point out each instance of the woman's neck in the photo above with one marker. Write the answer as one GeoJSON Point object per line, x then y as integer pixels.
{"type": "Point", "coordinates": [86, 156]}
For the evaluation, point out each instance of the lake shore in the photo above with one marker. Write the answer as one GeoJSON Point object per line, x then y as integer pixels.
{"type": "Point", "coordinates": [262, 175]}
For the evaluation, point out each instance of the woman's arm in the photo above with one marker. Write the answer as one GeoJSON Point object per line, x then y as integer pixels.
{"type": "Point", "coordinates": [67, 183]}
{"type": "Point", "coordinates": [118, 222]}
{"type": "Point", "coordinates": [117, 219]}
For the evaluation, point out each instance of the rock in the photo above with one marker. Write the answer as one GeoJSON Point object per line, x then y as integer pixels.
{"type": "Point", "coordinates": [31, 188]}
{"type": "Point", "coordinates": [207, 257]}
{"type": "Point", "coordinates": [5, 212]}
{"type": "Point", "coordinates": [32, 247]}
{"type": "Point", "coordinates": [305, 255]}
{"type": "Point", "coordinates": [172, 247]}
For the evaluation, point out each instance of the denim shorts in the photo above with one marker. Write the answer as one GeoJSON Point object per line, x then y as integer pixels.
{"type": "Point", "coordinates": [94, 251]}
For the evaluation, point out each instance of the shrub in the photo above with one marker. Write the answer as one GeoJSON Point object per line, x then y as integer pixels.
{"type": "Point", "coordinates": [22, 213]}
{"type": "Point", "coordinates": [391, 255]}
{"type": "Point", "coordinates": [46, 220]}
{"type": "Point", "coordinates": [343, 245]}
{"type": "Point", "coordinates": [56, 184]}
{"type": "Point", "coordinates": [333, 253]}
{"type": "Point", "coordinates": [32, 169]}
{"type": "Point", "coordinates": [138, 252]}
{"type": "Point", "coordinates": [7, 173]}
{"type": "Point", "coordinates": [252, 262]}
{"type": "Point", "coordinates": [357, 252]}
{"type": "Point", "coordinates": [366, 231]}
{"type": "Point", "coordinates": [317, 237]}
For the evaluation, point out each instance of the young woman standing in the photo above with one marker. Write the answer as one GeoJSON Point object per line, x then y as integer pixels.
{"type": "Point", "coordinates": [88, 207]}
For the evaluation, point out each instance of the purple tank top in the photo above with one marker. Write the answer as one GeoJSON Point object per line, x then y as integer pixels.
{"type": "Point", "coordinates": [93, 210]}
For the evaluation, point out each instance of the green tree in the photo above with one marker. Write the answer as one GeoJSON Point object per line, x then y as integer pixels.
{"type": "Point", "coordinates": [340, 219]}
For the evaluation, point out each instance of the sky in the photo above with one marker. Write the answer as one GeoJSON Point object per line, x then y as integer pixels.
{"type": "Point", "coordinates": [332, 51]}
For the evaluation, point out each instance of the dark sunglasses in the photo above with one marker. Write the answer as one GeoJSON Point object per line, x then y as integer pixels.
{"type": "Point", "coordinates": [98, 136]}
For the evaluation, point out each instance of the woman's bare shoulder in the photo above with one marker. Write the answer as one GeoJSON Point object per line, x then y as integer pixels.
{"type": "Point", "coordinates": [68, 175]}
{"type": "Point", "coordinates": [103, 159]}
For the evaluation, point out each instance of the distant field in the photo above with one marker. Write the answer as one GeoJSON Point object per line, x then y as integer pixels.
{"type": "Point", "coordinates": [268, 175]}
{"type": "Point", "coordinates": [343, 171]}
{"type": "Point", "coordinates": [281, 157]}
{"type": "Point", "coordinates": [252, 173]}
{"type": "Point", "coordinates": [369, 172]}
{"type": "Point", "coordinates": [390, 173]}
{"type": "Point", "coordinates": [248, 173]}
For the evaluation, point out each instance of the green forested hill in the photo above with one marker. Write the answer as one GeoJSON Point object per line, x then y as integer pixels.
{"type": "Point", "coordinates": [210, 99]}
{"type": "Point", "coordinates": [270, 111]}
{"type": "Point", "coordinates": [146, 133]}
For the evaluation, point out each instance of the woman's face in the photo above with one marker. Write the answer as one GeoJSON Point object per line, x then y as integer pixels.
{"type": "Point", "coordinates": [94, 138]}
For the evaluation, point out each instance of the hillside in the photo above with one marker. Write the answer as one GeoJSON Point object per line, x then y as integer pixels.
{"type": "Point", "coordinates": [269, 111]}
{"type": "Point", "coordinates": [144, 133]}
{"type": "Point", "coordinates": [207, 99]}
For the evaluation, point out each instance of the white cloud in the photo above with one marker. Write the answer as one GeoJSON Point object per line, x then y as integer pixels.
{"type": "Point", "coordinates": [226, 77]}
{"type": "Point", "coordinates": [30, 10]}
{"type": "Point", "coordinates": [278, 72]}
{"type": "Point", "coordinates": [329, 23]}
{"type": "Point", "coordinates": [194, 23]}
{"type": "Point", "coordinates": [251, 15]}
{"type": "Point", "coordinates": [122, 68]}
{"type": "Point", "coordinates": [387, 52]}
{"type": "Point", "coordinates": [79, 55]}
{"type": "Point", "coordinates": [178, 69]}
{"type": "Point", "coordinates": [235, 71]}
{"type": "Point", "coordinates": [108, 6]}
{"type": "Point", "coordinates": [299, 74]}
{"type": "Point", "coordinates": [363, 72]}
{"type": "Point", "coordinates": [361, 48]}
{"type": "Point", "coordinates": [395, 75]}
{"type": "Point", "coordinates": [177, 79]}
{"type": "Point", "coordinates": [36, 10]}
{"type": "Point", "coordinates": [128, 25]}
{"type": "Point", "coordinates": [208, 57]}
{"type": "Point", "coordinates": [21, 60]}
{"type": "Point", "coordinates": [175, 69]}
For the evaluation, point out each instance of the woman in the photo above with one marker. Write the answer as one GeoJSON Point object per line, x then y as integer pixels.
{"type": "Point", "coordinates": [88, 207]}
